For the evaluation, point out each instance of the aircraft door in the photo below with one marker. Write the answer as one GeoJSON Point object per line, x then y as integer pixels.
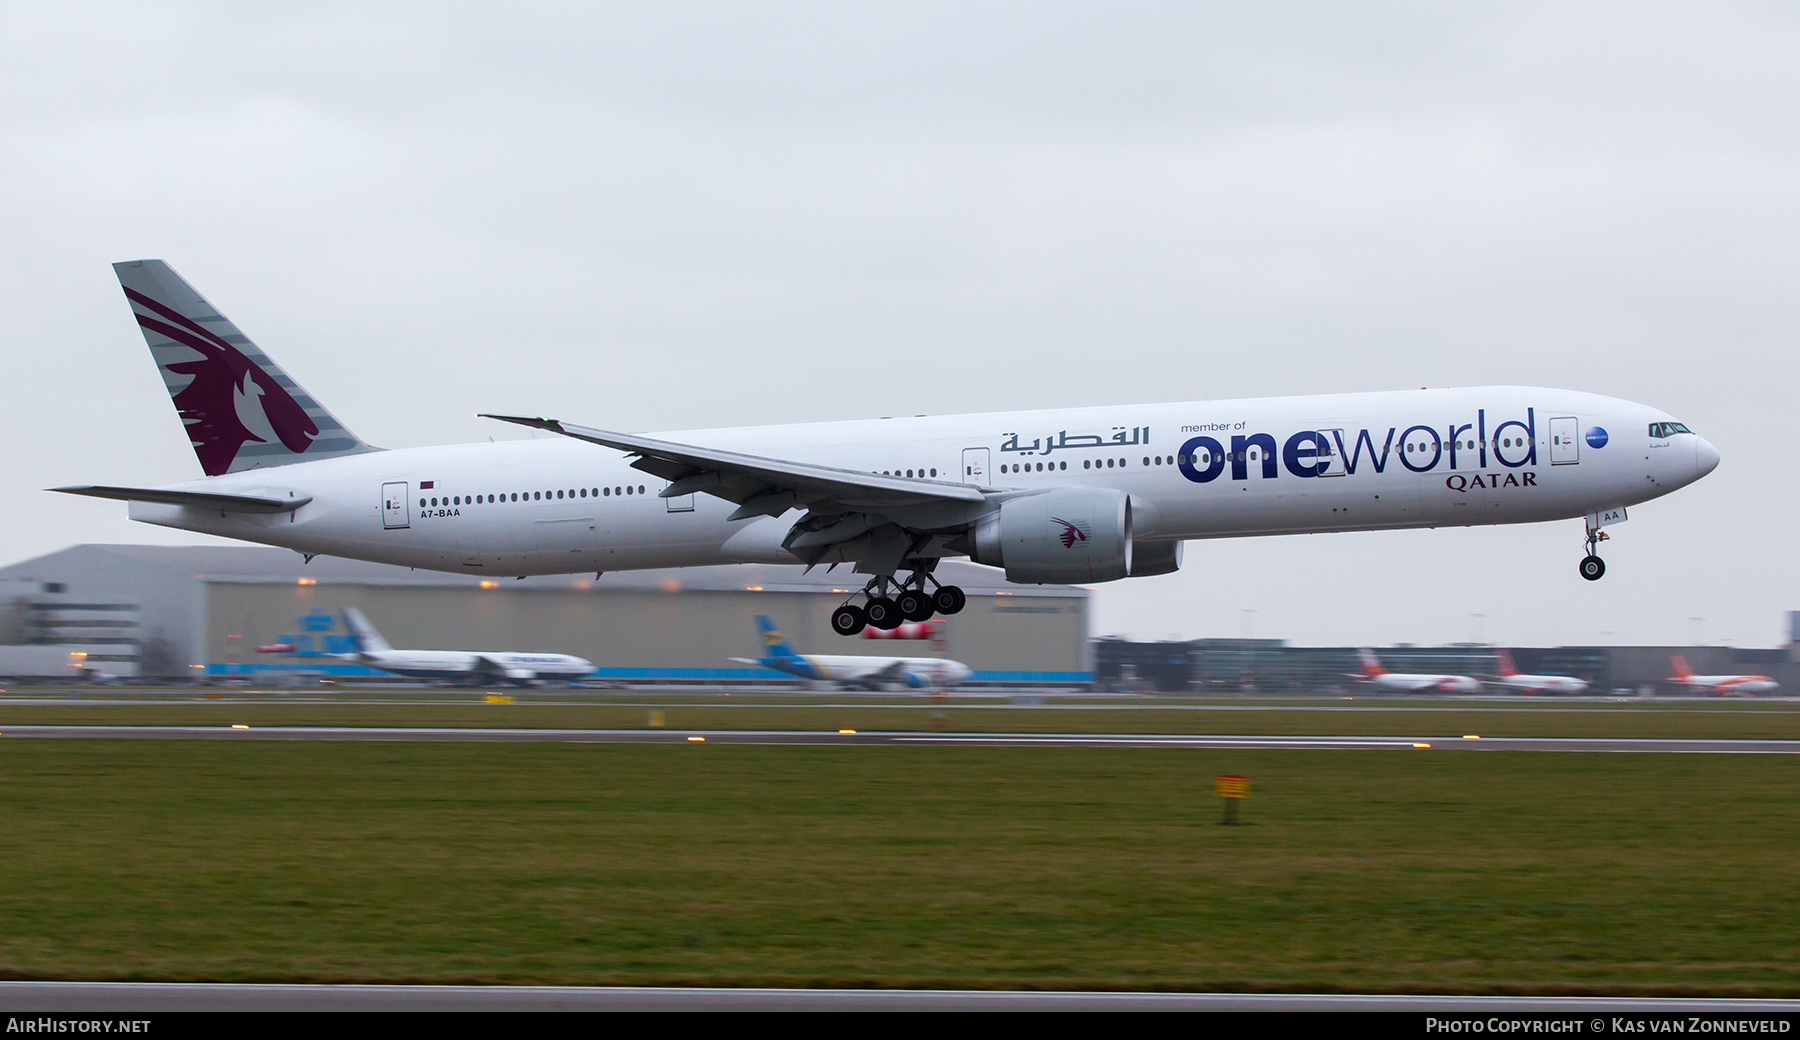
{"type": "Point", "coordinates": [975, 466]}
{"type": "Point", "coordinates": [395, 512]}
{"type": "Point", "coordinates": [680, 504]}
{"type": "Point", "coordinates": [1564, 449]}
{"type": "Point", "coordinates": [1329, 461]}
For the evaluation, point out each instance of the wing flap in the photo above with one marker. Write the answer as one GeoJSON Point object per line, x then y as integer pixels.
{"type": "Point", "coordinates": [745, 479]}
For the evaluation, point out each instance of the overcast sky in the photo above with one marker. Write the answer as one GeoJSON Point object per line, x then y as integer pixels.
{"type": "Point", "coordinates": [671, 215]}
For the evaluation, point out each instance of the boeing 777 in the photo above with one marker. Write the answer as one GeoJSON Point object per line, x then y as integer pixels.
{"type": "Point", "coordinates": [1076, 495]}
{"type": "Point", "coordinates": [1410, 682]}
{"type": "Point", "coordinates": [465, 666]}
{"type": "Point", "coordinates": [869, 673]}
{"type": "Point", "coordinates": [1685, 677]}
{"type": "Point", "coordinates": [1511, 679]}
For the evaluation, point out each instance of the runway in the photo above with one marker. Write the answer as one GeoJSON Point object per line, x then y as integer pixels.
{"type": "Point", "coordinates": [67, 997]}
{"type": "Point", "coordinates": [912, 739]}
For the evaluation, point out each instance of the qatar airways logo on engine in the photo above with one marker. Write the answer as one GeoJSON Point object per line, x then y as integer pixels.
{"type": "Point", "coordinates": [1480, 444]}
{"type": "Point", "coordinates": [1073, 532]}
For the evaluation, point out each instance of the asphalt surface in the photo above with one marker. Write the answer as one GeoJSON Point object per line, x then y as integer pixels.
{"type": "Point", "coordinates": [680, 736]}
{"type": "Point", "coordinates": [65, 997]}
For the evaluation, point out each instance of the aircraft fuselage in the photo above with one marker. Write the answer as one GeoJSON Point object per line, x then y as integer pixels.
{"type": "Point", "coordinates": [1217, 469]}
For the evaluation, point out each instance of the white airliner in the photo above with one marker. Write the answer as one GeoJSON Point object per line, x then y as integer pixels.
{"type": "Point", "coordinates": [1685, 676]}
{"type": "Point", "coordinates": [1074, 495]}
{"type": "Point", "coordinates": [1510, 678]}
{"type": "Point", "coordinates": [869, 673]}
{"type": "Point", "coordinates": [466, 666]}
{"type": "Point", "coordinates": [1410, 682]}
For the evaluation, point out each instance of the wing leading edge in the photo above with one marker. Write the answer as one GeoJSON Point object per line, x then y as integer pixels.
{"type": "Point", "coordinates": [864, 516]}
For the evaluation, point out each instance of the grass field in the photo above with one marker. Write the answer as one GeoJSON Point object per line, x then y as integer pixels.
{"type": "Point", "coordinates": [1498, 872]}
{"type": "Point", "coordinates": [1721, 719]}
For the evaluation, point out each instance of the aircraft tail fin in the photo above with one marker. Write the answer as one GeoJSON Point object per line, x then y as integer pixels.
{"type": "Point", "coordinates": [366, 637]}
{"type": "Point", "coordinates": [775, 644]}
{"type": "Point", "coordinates": [1371, 665]}
{"type": "Point", "coordinates": [1679, 667]}
{"type": "Point", "coordinates": [1503, 662]}
{"type": "Point", "coordinates": [240, 409]}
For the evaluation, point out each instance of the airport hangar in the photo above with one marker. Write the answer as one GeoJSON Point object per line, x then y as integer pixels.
{"type": "Point", "coordinates": [189, 612]}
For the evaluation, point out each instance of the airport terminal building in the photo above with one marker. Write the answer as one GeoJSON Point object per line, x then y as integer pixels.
{"type": "Point", "coordinates": [187, 612]}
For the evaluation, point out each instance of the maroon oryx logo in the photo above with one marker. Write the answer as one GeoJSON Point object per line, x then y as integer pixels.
{"type": "Point", "coordinates": [1072, 532]}
{"type": "Point", "coordinates": [221, 376]}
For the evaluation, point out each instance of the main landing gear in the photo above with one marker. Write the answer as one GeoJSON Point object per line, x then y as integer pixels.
{"type": "Point", "coordinates": [1593, 568]}
{"type": "Point", "coordinates": [910, 602]}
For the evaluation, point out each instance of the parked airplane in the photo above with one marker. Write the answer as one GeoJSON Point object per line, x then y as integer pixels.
{"type": "Point", "coordinates": [870, 673]}
{"type": "Point", "coordinates": [478, 667]}
{"type": "Point", "coordinates": [1073, 495]}
{"type": "Point", "coordinates": [1405, 682]}
{"type": "Point", "coordinates": [1718, 684]}
{"type": "Point", "coordinates": [1510, 679]}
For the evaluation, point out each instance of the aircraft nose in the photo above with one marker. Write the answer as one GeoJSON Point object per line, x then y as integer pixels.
{"type": "Point", "coordinates": [1706, 457]}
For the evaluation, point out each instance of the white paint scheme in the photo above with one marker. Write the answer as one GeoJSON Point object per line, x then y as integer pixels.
{"type": "Point", "coordinates": [1511, 679]}
{"type": "Point", "coordinates": [474, 666]}
{"type": "Point", "coordinates": [912, 478]}
{"type": "Point", "coordinates": [855, 671]}
{"type": "Point", "coordinates": [1718, 684]}
{"type": "Point", "coordinates": [344, 516]}
{"type": "Point", "coordinates": [1412, 682]}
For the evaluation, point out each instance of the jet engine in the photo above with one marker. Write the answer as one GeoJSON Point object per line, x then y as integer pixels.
{"type": "Point", "coordinates": [1148, 558]}
{"type": "Point", "coordinates": [1067, 535]}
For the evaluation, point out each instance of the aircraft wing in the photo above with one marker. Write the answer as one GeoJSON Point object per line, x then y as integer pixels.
{"type": "Point", "coordinates": [894, 672]}
{"type": "Point", "coordinates": [224, 503]}
{"type": "Point", "coordinates": [759, 485]}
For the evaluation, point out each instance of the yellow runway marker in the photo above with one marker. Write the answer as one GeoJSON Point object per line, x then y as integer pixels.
{"type": "Point", "coordinates": [1421, 745]}
{"type": "Point", "coordinates": [239, 725]}
{"type": "Point", "coordinates": [851, 731]}
{"type": "Point", "coordinates": [698, 740]}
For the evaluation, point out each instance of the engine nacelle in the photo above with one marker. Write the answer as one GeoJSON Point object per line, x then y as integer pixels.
{"type": "Point", "coordinates": [1069, 535]}
{"type": "Point", "coordinates": [1148, 558]}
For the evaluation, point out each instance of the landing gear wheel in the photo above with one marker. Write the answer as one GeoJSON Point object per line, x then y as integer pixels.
{"type": "Point", "coordinates": [1593, 568]}
{"type": "Point", "coordinates": [883, 613]}
{"type": "Point", "coordinates": [948, 599]}
{"type": "Point", "coordinates": [848, 620]}
{"type": "Point", "coordinates": [913, 605]}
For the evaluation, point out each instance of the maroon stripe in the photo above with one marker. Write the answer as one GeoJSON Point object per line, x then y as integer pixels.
{"type": "Point", "coordinates": [182, 337]}
{"type": "Point", "coordinates": [137, 297]}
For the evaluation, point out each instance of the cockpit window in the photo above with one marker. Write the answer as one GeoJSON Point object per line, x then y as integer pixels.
{"type": "Point", "coordinates": [1667, 429]}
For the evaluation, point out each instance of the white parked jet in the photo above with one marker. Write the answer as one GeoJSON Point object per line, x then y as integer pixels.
{"type": "Point", "coordinates": [1717, 684]}
{"type": "Point", "coordinates": [1404, 682]}
{"type": "Point", "coordinates": [869, 673]}
{"type": "Point", "coordinates": [479, 667]}
{"type": "Point", "coordinates": [1073, 495]}
{"type": "Point", "coordinates": [1510, 679]}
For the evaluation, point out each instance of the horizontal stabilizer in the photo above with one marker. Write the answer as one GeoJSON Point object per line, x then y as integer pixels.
{"type": "Point", "coordinates": [195, 499]}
